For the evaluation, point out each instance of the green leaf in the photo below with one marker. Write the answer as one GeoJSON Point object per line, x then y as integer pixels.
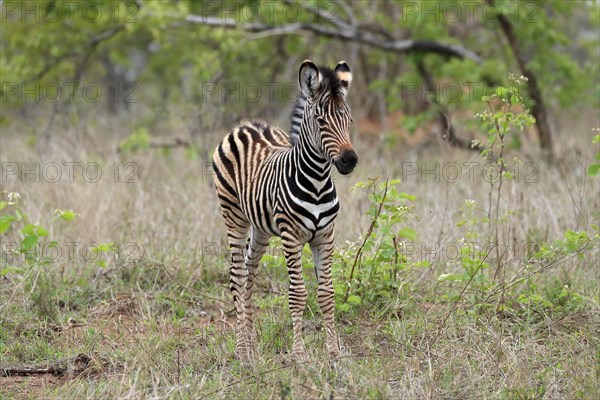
{"type": "Point", "coordinates": [20, 214]}
{"type": "Point", "coordinates": [139, 139]}
{"type": "Point", "coordinates": [449, 277]}
{"type": "Point", "coordinates": [3, 204]}
{"type": "Point", "coordinates": [29, 242]}
{"type": "Point", "coordinates": [596, 139]}
{"type": "Point", "coordinates": [344, 307]}
{"type": "Point", "coordinates": [593, 170]}
{"type": "Point", "coordinates": [408, 233]}
{"type": "Point", "coordinates": [5, 222]}
{"type": "Point", "coordinates": [359, 185]}
{"type": "Point", "coordinates": [28, 229]}
{"type": "Point", "coordinates": [103, 247]}
{"type": "Point", "coordinates": [407, 196]}
{"type": "Point", "coordinates": [67, 215]}
{"type": "Point", "coordinates": [8, 270]}
{"type": "Point", "coordinates": [354, 299]}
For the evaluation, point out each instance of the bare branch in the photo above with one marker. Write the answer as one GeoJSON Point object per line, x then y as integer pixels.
{"type": "Point", "coordinates": [347, 9]}
{"type": "Point", "coordinates": [321, 14]}
{"type": "Point", "coordinates": [347, 33]}
{"type": "Point", "coordinates": [95, 41]}
{"type": "Point", "coordinates": [75, 365]}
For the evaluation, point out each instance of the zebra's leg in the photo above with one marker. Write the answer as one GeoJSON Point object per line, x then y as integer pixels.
{"type": "Point", "coordinates": [297, 295]}
{"type": "Point", "coordinates": [322, 249]}
{"type": "Point", "coordinates": [238, 275]}
{"type": "Point", "coordinates": [256, 249]}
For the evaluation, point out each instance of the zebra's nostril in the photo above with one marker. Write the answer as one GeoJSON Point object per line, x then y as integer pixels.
{"type": "Point", "coordinates": [346, 162]}
{"type": "Point", "coordinates": [350, 158]}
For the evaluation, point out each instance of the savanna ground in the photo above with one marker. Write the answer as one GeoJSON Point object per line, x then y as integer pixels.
{"type": "Point", "coordinates": [128, 297]}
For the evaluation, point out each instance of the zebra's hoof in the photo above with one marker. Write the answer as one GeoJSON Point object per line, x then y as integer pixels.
{"type": "Point", "coordinates": [334, 350]}
{"type": "Point", "coordinates": [247, 363]}
{"type": "Point", "coordinates": [245, 357]}
{"type": "Point", "coordinates": [299, 356]}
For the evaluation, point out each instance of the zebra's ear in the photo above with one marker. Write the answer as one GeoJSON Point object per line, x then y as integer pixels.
{"type": "Point", "coordinates": [342, 70]}
{"type": "Point", "coordinates": [309, 78]}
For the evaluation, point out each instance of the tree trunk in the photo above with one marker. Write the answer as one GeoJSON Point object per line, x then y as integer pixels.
{"type": "Point", "coordinates": [446, 128]}
{"type": "Point", "coordinates": [533, 89]}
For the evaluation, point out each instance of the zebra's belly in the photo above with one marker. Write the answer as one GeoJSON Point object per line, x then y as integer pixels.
{"type": "Point", "coordinates": [303, 216]}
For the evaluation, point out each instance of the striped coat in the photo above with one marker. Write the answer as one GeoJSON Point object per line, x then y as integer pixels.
{"type": "Point", "coordinates": [270, 183]}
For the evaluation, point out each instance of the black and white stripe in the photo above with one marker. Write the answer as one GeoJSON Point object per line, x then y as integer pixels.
{"type": "Point", "coordinates": [270, 183]}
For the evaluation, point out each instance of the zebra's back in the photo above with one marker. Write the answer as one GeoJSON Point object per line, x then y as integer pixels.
{"type": "Point", "coordinates": [243, 163]}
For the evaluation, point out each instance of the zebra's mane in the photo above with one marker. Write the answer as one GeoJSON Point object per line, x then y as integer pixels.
{"type": "Point", "coordinates": [329, 83]}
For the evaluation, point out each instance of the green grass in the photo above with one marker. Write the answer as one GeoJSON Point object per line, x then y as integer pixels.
{"type": "Point", "coordinates": [159, 325]}
{"type": "Point", "coordinates": [172, 343]}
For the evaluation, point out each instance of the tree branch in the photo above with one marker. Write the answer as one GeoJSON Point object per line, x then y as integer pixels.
{"type": "Point", "coordinates": [75, 364]}
{"type": "Point", "coordinates": [318, 13]}
{"type": "Point", "coordinates": [343, 33]}
{"type": "Point", "coordinates": [447, 129]}
{"type": "Point", "coordinates": [96, 40]}
{"type": "Point", "coordinates": [347, 9]}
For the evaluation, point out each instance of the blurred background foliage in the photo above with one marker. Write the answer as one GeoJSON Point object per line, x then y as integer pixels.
{"type": "Point", "coordinates": [198, 66]}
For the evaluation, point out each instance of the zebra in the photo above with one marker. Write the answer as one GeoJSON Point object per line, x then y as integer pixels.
{"type": "Point", "coordinates": [270, 183]}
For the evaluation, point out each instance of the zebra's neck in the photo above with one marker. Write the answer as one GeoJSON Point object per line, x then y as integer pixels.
{"type": "Point", "coordinates": [308, 158]}
{"type": "Point", "coordinates": [301, 129]}
{"type": "Point", "coordinates": [297, 116]}
{"type": "Point", "coordinates": [309, 175]}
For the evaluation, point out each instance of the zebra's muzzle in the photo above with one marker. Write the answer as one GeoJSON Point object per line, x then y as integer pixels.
{"type": "Point", "coordinates": [346, 161]}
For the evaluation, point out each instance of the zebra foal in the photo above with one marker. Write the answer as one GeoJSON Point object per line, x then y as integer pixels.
{"type": "Point", "coordinates": [270, 183]}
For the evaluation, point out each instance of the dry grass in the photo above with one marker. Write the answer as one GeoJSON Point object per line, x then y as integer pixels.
{"type": "Point", "coordinates": [156, 323]}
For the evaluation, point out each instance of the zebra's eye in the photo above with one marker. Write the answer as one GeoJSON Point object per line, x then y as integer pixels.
{"type": "Point", "coordinates": [321, 122]}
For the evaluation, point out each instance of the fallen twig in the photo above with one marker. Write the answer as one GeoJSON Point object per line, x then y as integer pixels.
{"type": "Point", "coordinates": [74, 365]}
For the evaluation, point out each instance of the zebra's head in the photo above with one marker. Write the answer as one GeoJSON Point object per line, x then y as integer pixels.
{"type": "Point", "coordinates": [327, 112]}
